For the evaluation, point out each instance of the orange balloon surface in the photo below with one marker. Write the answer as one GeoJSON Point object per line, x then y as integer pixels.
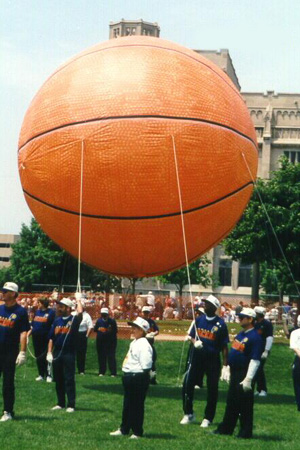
{"type": "Point", "coordinates": [129, 106]}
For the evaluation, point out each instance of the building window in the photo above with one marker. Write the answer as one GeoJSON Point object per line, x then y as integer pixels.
{"type": "Point", "coordinates": [225, 269]}
{"type": "Point", "coordinates": [4, 258]}
{"type": "Point", "coordinates": [245, 275]}
{"type": "Point", "coordinates": [4, 245]}
{"type": "Point", "coordinates": [116, 32]}
{"type": "Point", "coordinates": [293, 156]}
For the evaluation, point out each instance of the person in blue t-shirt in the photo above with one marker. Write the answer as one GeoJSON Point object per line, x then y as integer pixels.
{"type": "Point", "coordinates": [14, 325]}
{"type": "Point", "coordinates": [265, 330]}
{"type": "Point", "coordinates": [40, 327]}
{"type": "Point", "coordinates": [152, 332]}
{"type": "Point", "coordinates": [243, 359]}
{"type": "Point", "coordinates": [62, 352]}
{"type": "Point", "coordinates": [106, 342]}
{"type": "Point", "coordinates": [211, 340]}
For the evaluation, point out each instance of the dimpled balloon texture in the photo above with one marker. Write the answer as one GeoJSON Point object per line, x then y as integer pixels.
{"type": "Point", "coordinates": [124, 114]}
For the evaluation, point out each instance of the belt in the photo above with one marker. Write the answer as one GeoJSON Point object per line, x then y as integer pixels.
{"type": "Point", "coordinates": [132, 374]}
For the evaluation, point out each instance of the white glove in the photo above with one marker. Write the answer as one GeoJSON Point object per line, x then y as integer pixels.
{"type": "Point", "coordinates": [78, 296]}
{"type": "Point", "coordinates": [225, 374]}
{"type": "Point", "coordinates": [187, 338]}
{"type": "Point", "coordinates": [246, 383]}
{"type": "Point", "coordinates": [198, 344]}
{"type": "Point", "coordinates": [49, 357]}
{"type": "Point", "coordinates": [265, 354]}
{"type": "Point", "coordinates": [150, 335]}
{"type": "Point", "coordinates": [21, 359]}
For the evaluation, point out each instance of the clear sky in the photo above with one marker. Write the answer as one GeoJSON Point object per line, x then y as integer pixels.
{"type": "Point", "coordinates": [262, 36]}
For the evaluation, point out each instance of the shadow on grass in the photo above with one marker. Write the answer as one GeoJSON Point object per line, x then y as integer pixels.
{"type": "Point", "coordinates": [160, 436]}
{"type": "Point", "coordinates": [163, 391]}
{"type": "Point", "coordinates": [34, 418]}
{"type": "Point", "coordinates": [268, 437]}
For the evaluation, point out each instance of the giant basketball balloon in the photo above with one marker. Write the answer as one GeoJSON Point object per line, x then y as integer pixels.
{"type": "Point", "coordinates": [133, 107]}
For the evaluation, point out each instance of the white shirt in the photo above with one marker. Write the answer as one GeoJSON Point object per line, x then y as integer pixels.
{"type": "Point", "coordinates": [86, 322]}
{"type": "Point", "coordinates": [295, 339]}
{"type": "Point", "coordinates": [139, 356]}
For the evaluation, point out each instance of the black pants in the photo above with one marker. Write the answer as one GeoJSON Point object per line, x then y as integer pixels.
{"type": "Point", "coordinates": [200, 364]}
{"type": "Point", "coordinates": [296, 380]}
{"type": "Point", "coordinates": [135, 389]}
{"type": "Point", "coordinates": [107, 354]}
{"type": "Point", "coordinates": [81, 349]}
{"type": "Point", "coordinates": [64, 377]}
{"type": "Point", "coordinates": [7, 369]}
{"type": "Point", "coordinates": [239, 405]}
{"type": "Point", "coordinates": [40, 345]}
{"type": "Point", "coordinates": [260, 377]}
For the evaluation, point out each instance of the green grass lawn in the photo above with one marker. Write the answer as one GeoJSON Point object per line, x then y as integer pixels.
{"type": "Point", "coordinates": [99, 405]}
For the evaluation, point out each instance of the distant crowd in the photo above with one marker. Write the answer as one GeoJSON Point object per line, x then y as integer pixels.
{"type": "Point", "coordinates": [126, 306]}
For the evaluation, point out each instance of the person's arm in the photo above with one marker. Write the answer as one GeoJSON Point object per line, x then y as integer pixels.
{"type": "Point", "coordinates": [50, 346]}
{"type": "Point", "coordinates": [23, 341]}
{"type": "Point", "coordinates": [297, 351]}
{"type": "Point", "coordinates": [225, 355]}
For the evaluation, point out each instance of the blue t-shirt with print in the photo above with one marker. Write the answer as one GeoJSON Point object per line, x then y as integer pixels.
{"type": "Point", "coordinates": [13, 322]}
{"type": "Point", "coordinates": [213, 333]}
{"type": "Point", "coordinates": [246, 346]}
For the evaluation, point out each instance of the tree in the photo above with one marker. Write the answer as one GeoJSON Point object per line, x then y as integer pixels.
{"type": "Point", "coordinates": [269, 230]}
{"type": "Point", "coordinates": [36, 259]}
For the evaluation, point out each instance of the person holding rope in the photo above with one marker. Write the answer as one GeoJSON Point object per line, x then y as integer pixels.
{"type": "Point", "coordinates": [152, 332]}
{"type": "Point", "coordinates": [40, 328]}
{"type": "Point", "coordinates": [265, 330]}
{"type": "Point", "coordinates": [210, 338]}
{"type": "Point", "coordinates": [14, 325]}
{"type": "Point", "coordinates": [62, 352]}
{"type": "Point", "coordinates": [136, 368]}
{"type": "Point", "coordinates": [244, 359]}
{"type": "Point", "coordinates": [295, 345]}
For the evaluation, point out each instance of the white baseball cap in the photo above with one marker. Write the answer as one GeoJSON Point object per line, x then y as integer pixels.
{"type": "Point", "coordinates": [213, 300]}
{"type": "Point", "coordinates": [146, 309]}
{"type": "Point", "coordinates": [150, 292]}
{"type": "Point", "coordinates": [140, 323]}
{"type": "Point", "coordinates": [10, 286]}
{"type": "Point", "coordinates": [248, 312]}
{"type": "Point", "coordinates": [104, 311]}
{"type": "Point", "coordinates": [260, 310]}
{"type": "Point", "coordinates": [66, 302]}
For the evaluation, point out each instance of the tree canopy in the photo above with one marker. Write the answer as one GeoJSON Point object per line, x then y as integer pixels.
{"type": "Point", "coordinates": [269, 230]}
{"type": "Point", "coordinates": [37, 260]}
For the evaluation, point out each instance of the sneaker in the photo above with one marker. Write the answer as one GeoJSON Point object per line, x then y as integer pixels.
{"type": "Point", "coordinates": [116, 433]}
{"type": "Point", "coordinates": [70, 410]}
{"type": "Point", "coordinates": [188, 418]}
{"type": "Point", "coordinates": [82, 373]}
{"type": "Point", "coordinates": [49, 380]}
{"type": "Point", "coordinates": [101, 375]}
{"type": "Point", "coordinates": [262, 394]}
{"type": "Point", "coordinates": [6, 416]}
{"type": "Point", "coordinates": [134, 436]}
{"type": "Point", "coordinates": [39, 378]}
{"type": "Point", "coordinates": [56, 408]}
{"type": "Point", "coordinates": [113, 376]}
{"type": "Point", "coordinates": [205, 423]}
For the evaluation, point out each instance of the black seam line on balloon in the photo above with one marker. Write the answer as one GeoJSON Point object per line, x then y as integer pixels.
{"type": "Point", "coordinates": [161, 216]}
{"type": "Point", "coordinates": [151, 46]}
{"type": "Point", "coordinates": [133, 117]}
